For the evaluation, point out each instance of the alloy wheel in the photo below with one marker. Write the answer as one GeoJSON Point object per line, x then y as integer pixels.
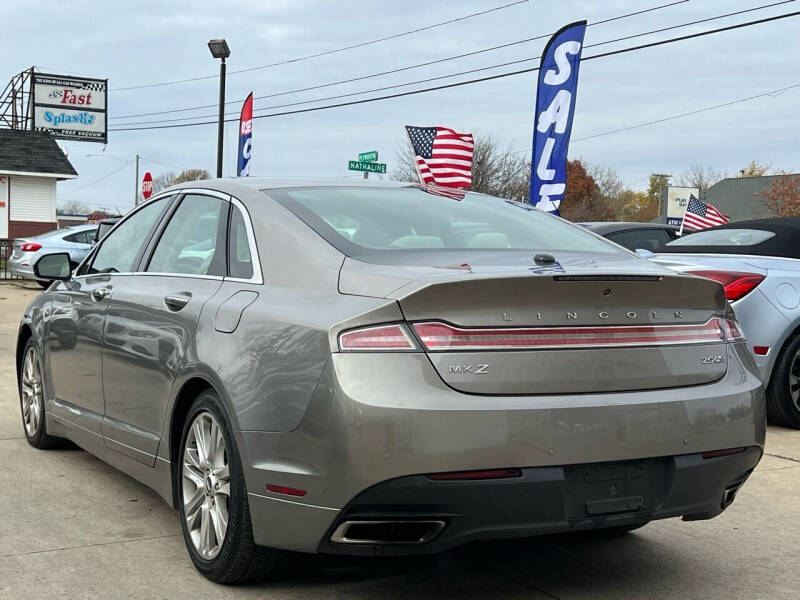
{"type": "Point", "coordinates": [32, 394]}
{"type": "Point", "coordinates": [206, 485]}
{"type": "Point", "coordinates": [794, 380]}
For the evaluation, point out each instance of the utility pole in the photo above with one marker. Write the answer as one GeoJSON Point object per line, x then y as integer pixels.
{"type": "Point", "coordinates": [136, 183]}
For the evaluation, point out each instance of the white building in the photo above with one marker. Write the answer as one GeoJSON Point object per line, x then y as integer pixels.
{"type": "Point", "coordinates": [31, 163]}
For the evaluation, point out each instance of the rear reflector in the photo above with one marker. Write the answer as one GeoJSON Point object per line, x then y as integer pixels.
{"type": "Point", "coordinates": [726, 452]}
{"type": "Point", "coordinates": [473, 475]}
{"type": "Point", "coordinates": [736, 284]}
{"type": "Point", "coordinates": [282, 489]}
{"type": "Point", "coordinates": [383, 338]}
{"type": "Point", "coordinates": [761, 350]}
{"type": "Point", "coordinates": [30, 247]}
{"type": "Point", "coordinates": [440, 336]}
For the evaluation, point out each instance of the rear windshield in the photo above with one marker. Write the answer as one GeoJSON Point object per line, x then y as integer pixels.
{"type": "Point", "coordinates": [724, 237]}
{"type": "Point", "coordinates": [361, 221]}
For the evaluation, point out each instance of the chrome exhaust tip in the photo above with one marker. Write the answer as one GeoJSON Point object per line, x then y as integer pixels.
{"type": "Point", "coordinates": [387, 532]}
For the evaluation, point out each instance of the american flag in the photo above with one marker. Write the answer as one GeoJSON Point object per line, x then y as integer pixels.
{"type": "Point", "coordinates": [700, 215]}
{"type": "Point", "coordinates": [444, 156]}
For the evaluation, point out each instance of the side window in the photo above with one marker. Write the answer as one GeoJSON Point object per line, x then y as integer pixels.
{"type": "Point", "coordinates": [240, 263]}
{"type": "Point", "coordinates": [78, 238]}
{"type": "Point", "coordinates": [189, 242]}
{"type": "Point", "coordinates": [646, 239]}
{"type": "Point", "coordinates": [118, 252]}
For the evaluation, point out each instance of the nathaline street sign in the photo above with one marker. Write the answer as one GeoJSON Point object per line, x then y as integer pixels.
{"type": "Point", "coordinates": [368, 167]}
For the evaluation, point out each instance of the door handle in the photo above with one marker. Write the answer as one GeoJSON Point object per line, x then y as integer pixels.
{"type": "Point", "coordinates": [177, 301]}
{"type": "Point", "coordinates": [100, 293]}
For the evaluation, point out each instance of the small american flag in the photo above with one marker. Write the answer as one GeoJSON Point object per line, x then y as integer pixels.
{"type": "Point", "coordinates": [444, 156]}
{"type": "Point", "coordinates": [700, 215]}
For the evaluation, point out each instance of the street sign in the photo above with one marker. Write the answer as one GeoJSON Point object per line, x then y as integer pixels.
{"type": "Point", "coordinates": [147, 185]}
{"type": "Point", "coordinates": [368, 156]}
{"type": "Point", "coordinates": [368, 167]}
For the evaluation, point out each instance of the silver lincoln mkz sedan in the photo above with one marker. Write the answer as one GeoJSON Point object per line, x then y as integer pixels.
{"type": "Point", "coordinates": [328, 367]}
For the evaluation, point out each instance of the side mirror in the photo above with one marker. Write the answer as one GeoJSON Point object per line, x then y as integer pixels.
{"type": "Point", "coordinates": [644, 253]}
{"type": "Point", "coordinates": [53, 267]}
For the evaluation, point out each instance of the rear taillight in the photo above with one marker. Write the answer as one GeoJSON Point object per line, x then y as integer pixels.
{"type": "Point", "coordinates": [437, 336]}
{"type": "Point", "coordinates": [732, 331]}
{"type": "Point", "coordinates": [476, 475]}
{"type": "Point", "coordinates": [736, 284]}
{"type": "Point", "coordinates": [384, 338]}
{"type": "Point", "coordinates": [30, 247]}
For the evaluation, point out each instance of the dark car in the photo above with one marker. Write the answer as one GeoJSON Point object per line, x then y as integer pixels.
{"type": "Point", "coordinates": [635, 236]}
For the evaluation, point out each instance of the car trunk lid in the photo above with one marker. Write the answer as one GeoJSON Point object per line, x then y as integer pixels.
{"type": "Point", "coordinates": [538, 330]}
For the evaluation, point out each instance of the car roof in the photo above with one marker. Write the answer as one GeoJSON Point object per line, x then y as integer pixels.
{"type": "Point", "coordinates": [229, 184]}
{"type": "Point", "coordinates": [785, 243]}
{"type": "Point", "coordinates": [604, 227]}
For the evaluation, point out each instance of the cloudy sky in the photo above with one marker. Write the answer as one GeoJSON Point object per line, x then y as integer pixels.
{"type": "Point", "coordinates": [153, 42]}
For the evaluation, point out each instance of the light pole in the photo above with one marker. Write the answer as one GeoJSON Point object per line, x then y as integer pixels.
{"type": "Point", "coordinates": [219, 49]}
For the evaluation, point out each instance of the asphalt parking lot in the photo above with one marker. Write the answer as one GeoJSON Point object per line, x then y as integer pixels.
{"type": "Point", "coordinates": [73, 527]}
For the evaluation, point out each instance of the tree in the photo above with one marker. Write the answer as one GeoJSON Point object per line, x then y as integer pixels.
{"type": "Point", "coordinates": [754, 169]}
{"type": "Point", "coordinates": [584, 200]}
{"type": "Point", "coordinates": [72, 207]}
{"type": "Point", "coordinates": [634, 205]}
{"type": "Point", "coordinates": [783, 196]}
{"type": "Point", "coordinates": [607, 180]}
{"type": "Point", "coordinates": [700, 177]}
{"type": "Point", "coordinates": [169, 178]}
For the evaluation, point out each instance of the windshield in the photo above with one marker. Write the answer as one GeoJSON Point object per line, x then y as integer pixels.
{"type": "Point", "coordinates": [724, 237]}
{"type": "Point", "coordinates": [360, 221]}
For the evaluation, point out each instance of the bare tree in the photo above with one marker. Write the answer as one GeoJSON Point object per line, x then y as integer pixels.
{"type": "Point", "coordinates": [163, 181]}
{"type": "Point", "coordinates": [608, 182]}
{"type": "Point", "coordinates": [72, 207]}
{"type": "Point", "coordinates": [701, 177]}
{"type": "Point", "coordinates": [169, 178]}
{"type": "Point", "coordinates": [754, 169]}
{"type": "Point", "coordinates": [406, 165]}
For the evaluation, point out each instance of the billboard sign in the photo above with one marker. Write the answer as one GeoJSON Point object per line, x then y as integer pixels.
{"type": "Point", "coordinates": [674, 200]}
{"type": "Point", "coordinates": [70, 108]}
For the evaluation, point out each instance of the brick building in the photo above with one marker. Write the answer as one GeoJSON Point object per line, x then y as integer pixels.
{"type": "Point", "coordinates": [31, 163]}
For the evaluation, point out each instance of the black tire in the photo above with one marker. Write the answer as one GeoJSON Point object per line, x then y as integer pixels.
{"type": "Point", "coordinates": [782, 408]}
{"type": "Point", "coordinates": [238, 559]}
{"type": "Point", "coordinates": [38, 436]}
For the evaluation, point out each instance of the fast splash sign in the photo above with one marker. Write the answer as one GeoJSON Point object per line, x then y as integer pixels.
{"type": "Point", "coordinates": [555, 107]}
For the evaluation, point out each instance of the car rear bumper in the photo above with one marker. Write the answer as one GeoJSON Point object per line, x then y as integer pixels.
{"type": "Point", "coordinates": [21, 267]}
{"type": "Point", "coordinates": [438, 515]}
{"type": "Point", "coordinates": [368, 426]}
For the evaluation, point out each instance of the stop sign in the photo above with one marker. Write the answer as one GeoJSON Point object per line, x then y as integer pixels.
{"type": "Point", "coordinates": [147, 185]}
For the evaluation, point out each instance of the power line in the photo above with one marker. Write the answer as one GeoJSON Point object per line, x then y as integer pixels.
{"type": "Point", "coordinates": [771, 93]}
{"type": "Point", "coordinates": [410, 67]}
{"type": "Point", "coordinates": [327, 52]}
{"type": "Point", "coordinates": [106, 176]}
{"type": "Point", "coordinates": [482, 79]}
{"type": "Point", "coordinates": [690, 113]}
{"type": "Point", "coordinates": [467, 72]}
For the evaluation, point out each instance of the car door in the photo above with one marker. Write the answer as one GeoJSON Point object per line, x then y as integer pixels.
{"type": "Point", "coordinates": [151, 322]}
{"type": "Point", "coordinates": [73, 345]}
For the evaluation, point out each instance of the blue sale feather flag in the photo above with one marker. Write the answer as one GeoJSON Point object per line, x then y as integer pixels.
{"type": "Point", "coordinates": [555, 107]}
